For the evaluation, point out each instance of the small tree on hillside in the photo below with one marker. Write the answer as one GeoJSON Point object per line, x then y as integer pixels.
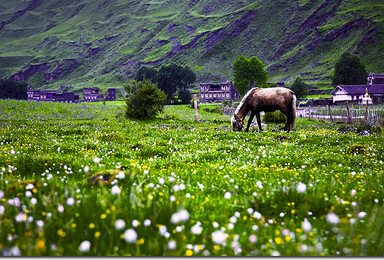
{"type": "Point", "coordinates": [299, 87]}
{"type": "Point", "coordinates": [144, 72]}
{"type": "Point", "coordinates": [249, 73]}
{"type": "Point", "coordinates": [144, 99]}
{"type": "Point", "coordinates": [349, 70]}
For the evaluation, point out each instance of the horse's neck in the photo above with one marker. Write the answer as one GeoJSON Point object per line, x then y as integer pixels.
{"type": "Point", "coordinates": [242, 112]}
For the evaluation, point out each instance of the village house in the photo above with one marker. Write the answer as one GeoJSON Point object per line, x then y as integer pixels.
{"type": "Point", "coordinates": [52, 95]}
{"type": "Point", "coordinates": [218, 92]}
{"type": "Point", "coordinates": [91, 94]}
{"type": "Point", "coordinates": [359, 94]}
{"type": "Point", "coordinates": [111, 94]}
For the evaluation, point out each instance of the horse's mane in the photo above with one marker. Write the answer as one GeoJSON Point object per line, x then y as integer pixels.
{"type": "Point", "coordinates": [243, 100]}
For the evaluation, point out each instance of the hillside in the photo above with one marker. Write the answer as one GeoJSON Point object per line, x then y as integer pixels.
{"type": "Point", "coordinates": [102, 43]}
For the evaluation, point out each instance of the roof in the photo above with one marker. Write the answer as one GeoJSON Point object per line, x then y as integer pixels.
{"type": "Point", "coordinates": [360, 89]}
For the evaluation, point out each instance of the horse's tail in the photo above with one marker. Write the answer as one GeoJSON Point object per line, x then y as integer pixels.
{"type": "Point", "coordinates": [293, 109]}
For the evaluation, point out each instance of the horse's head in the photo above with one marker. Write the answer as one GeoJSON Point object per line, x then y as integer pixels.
{"type": "Point", "coordinates": [237, 123]}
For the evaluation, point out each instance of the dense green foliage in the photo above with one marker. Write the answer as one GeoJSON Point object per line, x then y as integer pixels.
{"type": "Point", "coordinates": [12, 89]}
{"type": "Point", "coordinates": [172, 79]}
{"type": "Point", "coordinates": [249, 73]}
{"type": "Point", "coordinates": [349, 70]}
{"type": "Point", "coordinates": [144, 99]}
{"type": "Point", "coordinates": [80, 180]}
{"type": "Point", "coordinates": [103, 43]}
{"type": "Point", "coordinates": [146, 72]}
{"type": "Point", "coordinates": [299, 87]}
{"type": "Point", "coordinates": [274, 117]}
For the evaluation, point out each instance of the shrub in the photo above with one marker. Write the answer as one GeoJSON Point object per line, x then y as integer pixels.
{"type": "Point", "coordinates": [274, 117]}
{"type": "Point", "coordinates": [144, 99]}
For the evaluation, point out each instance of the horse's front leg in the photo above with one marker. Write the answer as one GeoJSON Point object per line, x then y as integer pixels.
{"type": "Point", "coordinates": [250, 121]}
{"type": "Point", "coordinates": [259, 121]}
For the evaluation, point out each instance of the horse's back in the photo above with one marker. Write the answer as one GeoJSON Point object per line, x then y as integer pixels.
{"type": "Point", "coordinates": [272, 95]}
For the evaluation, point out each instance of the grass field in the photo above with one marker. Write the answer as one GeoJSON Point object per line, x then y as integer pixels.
{"type": "Point", "coordinates": [80, 179]}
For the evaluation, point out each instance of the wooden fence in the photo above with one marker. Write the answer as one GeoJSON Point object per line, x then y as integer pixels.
{"type": "Point", "coordinates": [349, 113]}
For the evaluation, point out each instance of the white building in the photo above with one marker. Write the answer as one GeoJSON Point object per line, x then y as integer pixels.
{"type": "Point", "coordinates": [357, 93]}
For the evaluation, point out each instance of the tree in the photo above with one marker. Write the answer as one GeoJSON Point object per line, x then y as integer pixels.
{"type": "Point", "coordinates": [349, 70]}
{"type": "Point", "coordinates": [171, 78]}
{"type": "Point", "coordinates": [144, 99]}
{"type": "Point", "coordinates": [249, 73]}
{"type": "Point", "coordinates": [13, 89]}
{"type": "Point", "coordinates": [299, 87]}
{"type": "Point", "coordinates": [185, 96]}
{"type": "Point", "coordinates": [146, 73]}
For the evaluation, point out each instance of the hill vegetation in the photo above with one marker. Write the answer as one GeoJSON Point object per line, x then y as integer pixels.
{"type": "Point", "coordinates": [103, 43]}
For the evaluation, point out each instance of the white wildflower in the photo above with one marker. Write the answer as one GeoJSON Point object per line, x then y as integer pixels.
{"type": "Point", "coordinates": [60, 208]}
{"type": "Point", "coordinates": [130, 236]}
{"type": "Point", "coordinates": [301, 188]}
{"type": "Point", "coordinates": [70, 201]}
{"type": "Point", "coordinates": [30, 186]}
{"type": "Point", "coordinates": [180, 216]}
{"type": "Point", "coordinates": [253, 239]}
{"type": "Point", "coordinates": [332, 218]}
{"type": "Point", "coordinates": [119, 224]}
{"type": "Point", "coordinates": [115, 190]}
{"type": "Point", "coordinates": [147, 222]}
{"type": "Point", "coordinates": [120, 175]}
{"type": "Point", "coordinates": [227, 195]}
{"type": "Point", "coordinates": [171, 245]}
{"type": "Point", "coordinates": [85, 246]}
{"type": "Point", "coordinates": [306, 226]}
{"type": "Point", "coordinates": [361, 214]}
{"type": "Point", "coordinates": [135, 223]}
{"type": "Point", "coordinates": [33, 201]}
{"type": "Point", "coordinates": [196, 229]}
{"type": "Point", "coordinates": [219, 237]}
{"type": "Point", "coordinates": [257, 215]}
{"type": "Point", "coordinates": [96, 160]}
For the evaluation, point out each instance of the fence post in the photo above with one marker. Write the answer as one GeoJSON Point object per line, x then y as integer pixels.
{"type": "Point", "coordinates": [195, 104]}
{"type": "Point", "coordinates": [349, 113]}
{"type": "Point", "coordinates": [330, 113]}
{"type": "Point", "coordinates": [366, 113]}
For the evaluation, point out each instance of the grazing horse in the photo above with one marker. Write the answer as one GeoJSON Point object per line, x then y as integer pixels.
{"type": "Point", "coordinates": [267, 100]}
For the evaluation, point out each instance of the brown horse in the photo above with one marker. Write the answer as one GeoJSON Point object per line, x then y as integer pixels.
{"type": "Point", "coordinates": [267, 100]}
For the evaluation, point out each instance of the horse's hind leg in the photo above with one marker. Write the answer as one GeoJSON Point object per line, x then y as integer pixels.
{"type": "Point", "coordinates": [259, 121]}
{"type": "Point", "coordinates": [289, 117]}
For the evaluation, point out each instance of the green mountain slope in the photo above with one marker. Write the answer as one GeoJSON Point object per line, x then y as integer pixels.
{"type": "Point", "coordinates": [104, 42]}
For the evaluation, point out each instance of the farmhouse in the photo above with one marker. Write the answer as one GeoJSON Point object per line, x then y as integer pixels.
{"type": "Point", "coordinates": [358, 94]}
{"type": "Point", "coordinates": [217, 92]}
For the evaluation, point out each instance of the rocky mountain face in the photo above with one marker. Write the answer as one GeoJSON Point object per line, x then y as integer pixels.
{"type": "Point", "coordinates": [103, 42]}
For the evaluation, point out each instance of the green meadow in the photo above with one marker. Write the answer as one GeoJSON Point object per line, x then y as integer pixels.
{"type": "Point", "coordinates": [82, 180]}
